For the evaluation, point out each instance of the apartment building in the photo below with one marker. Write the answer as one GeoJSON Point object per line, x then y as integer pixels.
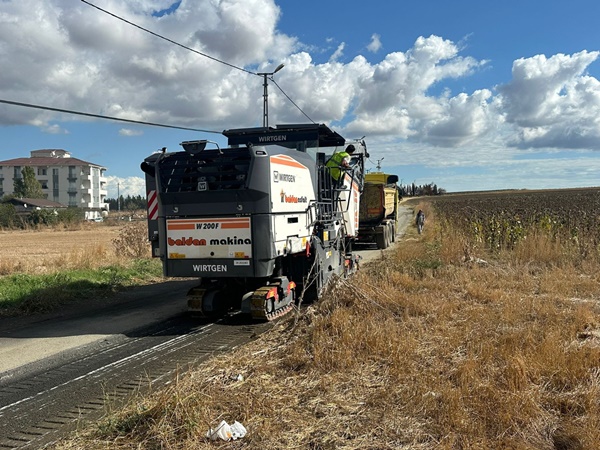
{"type": "Point", "coordinates": [66, 180]}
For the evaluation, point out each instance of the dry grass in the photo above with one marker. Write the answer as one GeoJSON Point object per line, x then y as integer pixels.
{"type": "Point", "coordinates": [434, 347]}
{"type": "Point", "coordinates": [89, 245]}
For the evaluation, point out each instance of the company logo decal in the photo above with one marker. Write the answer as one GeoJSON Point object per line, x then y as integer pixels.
{"type": "Point", "coordinates": [191, 241]}
{"type": "Point", "coordinates": [210, 268]}
{"type": "Point", "coordinates": [275, 138]}
{"type": "Point", "coordinates": [278, 176]}
{"type": "Point", "coordinates": [292, 198]}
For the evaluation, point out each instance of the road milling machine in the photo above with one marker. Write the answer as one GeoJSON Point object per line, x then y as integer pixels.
{"type": "Point", "coordinates": [259, 222]}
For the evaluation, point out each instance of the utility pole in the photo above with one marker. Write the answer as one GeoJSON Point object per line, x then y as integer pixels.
{"type": "Point", "coordinates": [266, 94]}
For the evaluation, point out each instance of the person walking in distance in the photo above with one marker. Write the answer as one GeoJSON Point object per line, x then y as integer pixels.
{"type": "Point", "coordinates": [420, 221]}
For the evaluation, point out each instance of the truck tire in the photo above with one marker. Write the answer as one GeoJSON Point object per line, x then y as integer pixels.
{"type": "Point", "coordinates": [386, 236]}
{"type": "Point", "coordinates": [393, 231]}
{"type": "Point", "coordinates": [388, 232]}
{"type": "Point", "coordinates": [381, 239]}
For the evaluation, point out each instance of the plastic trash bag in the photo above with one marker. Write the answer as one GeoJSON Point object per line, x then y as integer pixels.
{"type": "Point", "coordinates": [227, 432]}
{"type": "Point", "coordinates": [223, 431]}
{"type": "Point", "coordinates": [237, 430]}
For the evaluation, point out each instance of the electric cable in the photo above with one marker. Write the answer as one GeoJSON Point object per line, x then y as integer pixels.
{"type": "Point", "coordinates": [100, 116]}
{"type": "Point", "coordinates": [291, 101]}
{"type": "Point", "coordinates": [194, 51]}
{"type": "Point", "coordinates": [167, 39]}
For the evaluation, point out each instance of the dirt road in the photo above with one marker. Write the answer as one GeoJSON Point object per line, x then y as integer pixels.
{"type": "Point", "coordinates": [370, 253]}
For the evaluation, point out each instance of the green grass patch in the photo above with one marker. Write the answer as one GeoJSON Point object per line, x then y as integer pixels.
{"type": "Point", "coordinates": [28, 294]}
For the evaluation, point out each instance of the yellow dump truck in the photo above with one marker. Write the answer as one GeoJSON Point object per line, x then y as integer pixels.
{"type": "Point", "coordinates": [378, 213]}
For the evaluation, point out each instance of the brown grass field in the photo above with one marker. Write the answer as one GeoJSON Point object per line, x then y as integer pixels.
{"type": "Point", "coordinates": [48, 250]}
{"type": "Point", "coordinates": [451, 340]}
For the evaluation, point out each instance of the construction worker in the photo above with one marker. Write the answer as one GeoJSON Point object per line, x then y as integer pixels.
{"type": "Point", "coordinates": [340, 161]}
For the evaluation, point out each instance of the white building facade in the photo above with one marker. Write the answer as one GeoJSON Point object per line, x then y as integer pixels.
{"type": "Point", "coordinates": [66, 180]}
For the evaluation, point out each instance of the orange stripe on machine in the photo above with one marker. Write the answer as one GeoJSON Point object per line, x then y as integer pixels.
{"type": "Point", "coordinates": [208, 224]}
{"type": "Point", "coordinates": [286, 161]}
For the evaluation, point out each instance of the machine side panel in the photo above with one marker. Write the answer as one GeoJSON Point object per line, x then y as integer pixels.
{"type": "Point", "coordinates": [350, 204]}
{"type": "Point", "coordinates": [292, 192]}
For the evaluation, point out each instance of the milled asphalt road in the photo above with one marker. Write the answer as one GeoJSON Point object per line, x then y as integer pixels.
{"type": "Point", "coordinates": [25, 340]}
{"type": "Point", "coordinates": [56, 367]}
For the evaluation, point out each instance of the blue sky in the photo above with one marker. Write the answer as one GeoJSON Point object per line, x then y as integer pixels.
{"type": "Point", "coordinates": [469, 95]}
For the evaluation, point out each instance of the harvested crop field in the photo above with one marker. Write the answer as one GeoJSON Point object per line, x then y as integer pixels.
{"type": "Point", "coordinates": [49, 250]}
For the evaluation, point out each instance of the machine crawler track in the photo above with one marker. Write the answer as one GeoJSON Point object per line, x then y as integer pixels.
{"type": "Point", "coordinates": [272, 301]}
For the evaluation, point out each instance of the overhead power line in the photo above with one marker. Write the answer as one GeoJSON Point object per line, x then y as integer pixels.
{"type": "Point", "coordinates": [167, 39]}
{"type": "Point", "coordinates": [100, 116]}
{"type": "Point", "coordinates": [195, 51]}
{"type": "Point", "coordinates": [118, 119]}
{"type": "Point", "coordinates": [292, 101]}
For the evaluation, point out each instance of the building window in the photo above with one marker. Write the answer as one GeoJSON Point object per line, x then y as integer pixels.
{"type": "Point", "coordinates": [17, 173]}
{"type": "Point", "coordinates": [42, 171]}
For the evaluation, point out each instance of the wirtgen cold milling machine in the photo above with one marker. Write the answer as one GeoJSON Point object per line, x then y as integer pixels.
{"type": "Point", "coordinates": [257, 222]}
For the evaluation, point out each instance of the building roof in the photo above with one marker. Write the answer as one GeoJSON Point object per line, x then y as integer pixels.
{"type": "Point", "coordinates": [47, 161]}
{"type": "Point", "coordinates": [36, 202]}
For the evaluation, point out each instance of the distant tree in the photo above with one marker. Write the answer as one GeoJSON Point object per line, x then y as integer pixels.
{"type": "Point", "coordinates": [7, 215]}
{"type": "Point", "coordinates": [129, 203]}
{"type": "Point", "coordinates": [28, 186]}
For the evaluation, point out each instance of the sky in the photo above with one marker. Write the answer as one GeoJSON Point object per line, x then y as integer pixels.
{"type": "Point", "coordinates": [469, 95]}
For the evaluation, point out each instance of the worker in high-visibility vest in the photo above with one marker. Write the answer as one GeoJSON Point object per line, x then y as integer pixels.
{"type": "Point", "coordinates": [339, 161]}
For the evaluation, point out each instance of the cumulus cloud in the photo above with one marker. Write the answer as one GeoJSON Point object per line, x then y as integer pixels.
{"type": "Point", "coordinates": [69, 55]}
{"type": "Point", "coordinates": [125, 186]}
{"type": "Point", "coordinates": [552, 102]}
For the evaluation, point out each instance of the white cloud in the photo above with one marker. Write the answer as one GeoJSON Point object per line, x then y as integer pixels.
{"type": "Point", "coordinates": [375, 43]}
{"type": "Point", "coordinates": [132, 186]}
{"type": "Point", "coordinates": [55, 129]}
{"type": "Point", "coordinates": [339, 52]}
{"type": "Point", "coordinates": [130, 132]}
{"type": "Point", "coordinates": [552, 102]}
{"type": "Point", "coordinates": [69, 55]}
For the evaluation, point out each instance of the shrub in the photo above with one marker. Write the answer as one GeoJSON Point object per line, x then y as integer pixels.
{"type": "Point", "coordinates": [132, 241]}
{"type": "Point", "coordinates": [7, 215]}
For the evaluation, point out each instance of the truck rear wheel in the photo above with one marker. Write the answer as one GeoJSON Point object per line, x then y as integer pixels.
{"type": "Point", "coordinates": [381, 239]}
{"type": "Point", "coordinates": [388, 235]}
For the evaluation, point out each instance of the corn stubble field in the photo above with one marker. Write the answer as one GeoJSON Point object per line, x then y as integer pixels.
{"type": "Point", "coordinates": [482, 333]}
